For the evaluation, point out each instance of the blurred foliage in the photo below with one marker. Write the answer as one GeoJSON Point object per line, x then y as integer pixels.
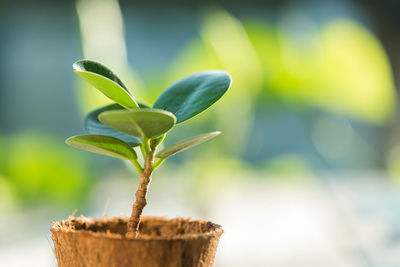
{"type": "Point", "coordinates": [336, 65]}
{"type": "Point", "coordinates": [41, 169]}
{"type": "Point", "coordinates": [289, 165]}
{"type": "Point", "coordinates": [333, 66]}
{"type": "Point", "coordinates": [6, 198]}
{"type": "Point", "coordinates": [224, 44]}
{"type": "Point", "coordinates": [339, 66]}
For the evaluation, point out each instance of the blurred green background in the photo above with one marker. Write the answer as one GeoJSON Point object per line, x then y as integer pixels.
{"type": "Point", "coordinates": [306, 171]}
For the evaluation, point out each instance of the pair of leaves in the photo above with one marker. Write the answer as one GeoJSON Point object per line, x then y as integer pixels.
{"type": "Point", "coordinates": [113, 130]}
{"type": "Point", "coordinates": [111, 146]}
{"type": "Point", "coordinates": [150, 123]}
{"type": "Point", "coordinates": [184, 98]}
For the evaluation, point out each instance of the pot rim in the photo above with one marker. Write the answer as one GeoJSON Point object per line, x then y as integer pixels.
{"type": "Point", "coordinates": [59, 226]}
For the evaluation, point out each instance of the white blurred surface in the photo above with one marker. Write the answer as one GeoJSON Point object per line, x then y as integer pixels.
{"type": "Point", "coordinates": [326, 221]}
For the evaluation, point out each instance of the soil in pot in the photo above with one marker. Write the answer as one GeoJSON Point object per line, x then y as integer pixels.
{"type": "Point", "coordinates": [162, 242]}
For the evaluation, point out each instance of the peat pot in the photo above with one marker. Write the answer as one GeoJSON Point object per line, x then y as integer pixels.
{"type": "Point", "coordinates": [162, 242]}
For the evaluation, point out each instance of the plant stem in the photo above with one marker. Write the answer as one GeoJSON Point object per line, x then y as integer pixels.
{"type": "Point", "coordinates": [140, 203]}
{"type": "Point", "coordinates": [137, 166]}
{"type": "Point", "coordinates": [158, 163]}
{"type": "Point", "coordinates": [142, 150]}
{"type": "Point", "coordinates": [146, 145]}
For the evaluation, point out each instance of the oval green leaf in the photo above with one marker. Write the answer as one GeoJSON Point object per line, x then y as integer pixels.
{"type": "Point", "coordinates": [193, 94]}
{"type": "Point", "coordinates": [106, 81]}
{"type": "Point", "coordinates": [142, 123]}
{"type": "Point", "coordinates": [186, 144]}
{"type": "Point", "coordinates": [94, 126]}
{"type": "Point", "coordinates": [101, 144]}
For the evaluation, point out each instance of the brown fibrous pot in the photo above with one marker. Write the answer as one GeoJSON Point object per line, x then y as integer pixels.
{"type": "Point", "coordinates": [163, 242]}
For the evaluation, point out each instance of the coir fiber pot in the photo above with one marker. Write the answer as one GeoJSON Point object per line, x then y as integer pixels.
{"type": "Point", "coordinates": [161, 242]}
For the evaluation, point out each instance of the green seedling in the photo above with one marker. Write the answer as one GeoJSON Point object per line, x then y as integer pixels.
{"type": "Point", "coordinates": [117, 129]}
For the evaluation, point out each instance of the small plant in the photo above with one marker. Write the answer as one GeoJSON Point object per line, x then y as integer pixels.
{"type": "Point", "coordinates": [116, 129]}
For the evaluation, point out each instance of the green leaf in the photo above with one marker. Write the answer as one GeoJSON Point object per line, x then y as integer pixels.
{"type": "Point", "coordinates": [94, 126]}
{"type": "Point", "coordinates": [143, 123]}
{"type": "Point", "coordinates": [101, 144]}
{"type": "Point", "coordinates": [106, 81]}
{"type": "Point", "coordinates": [186, 144]}
{"type": "Point", "coordinates": [193, 94]}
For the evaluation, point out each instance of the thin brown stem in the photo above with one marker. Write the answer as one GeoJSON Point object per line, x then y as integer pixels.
{"type": "Point", "coordinates": [140, 203]}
